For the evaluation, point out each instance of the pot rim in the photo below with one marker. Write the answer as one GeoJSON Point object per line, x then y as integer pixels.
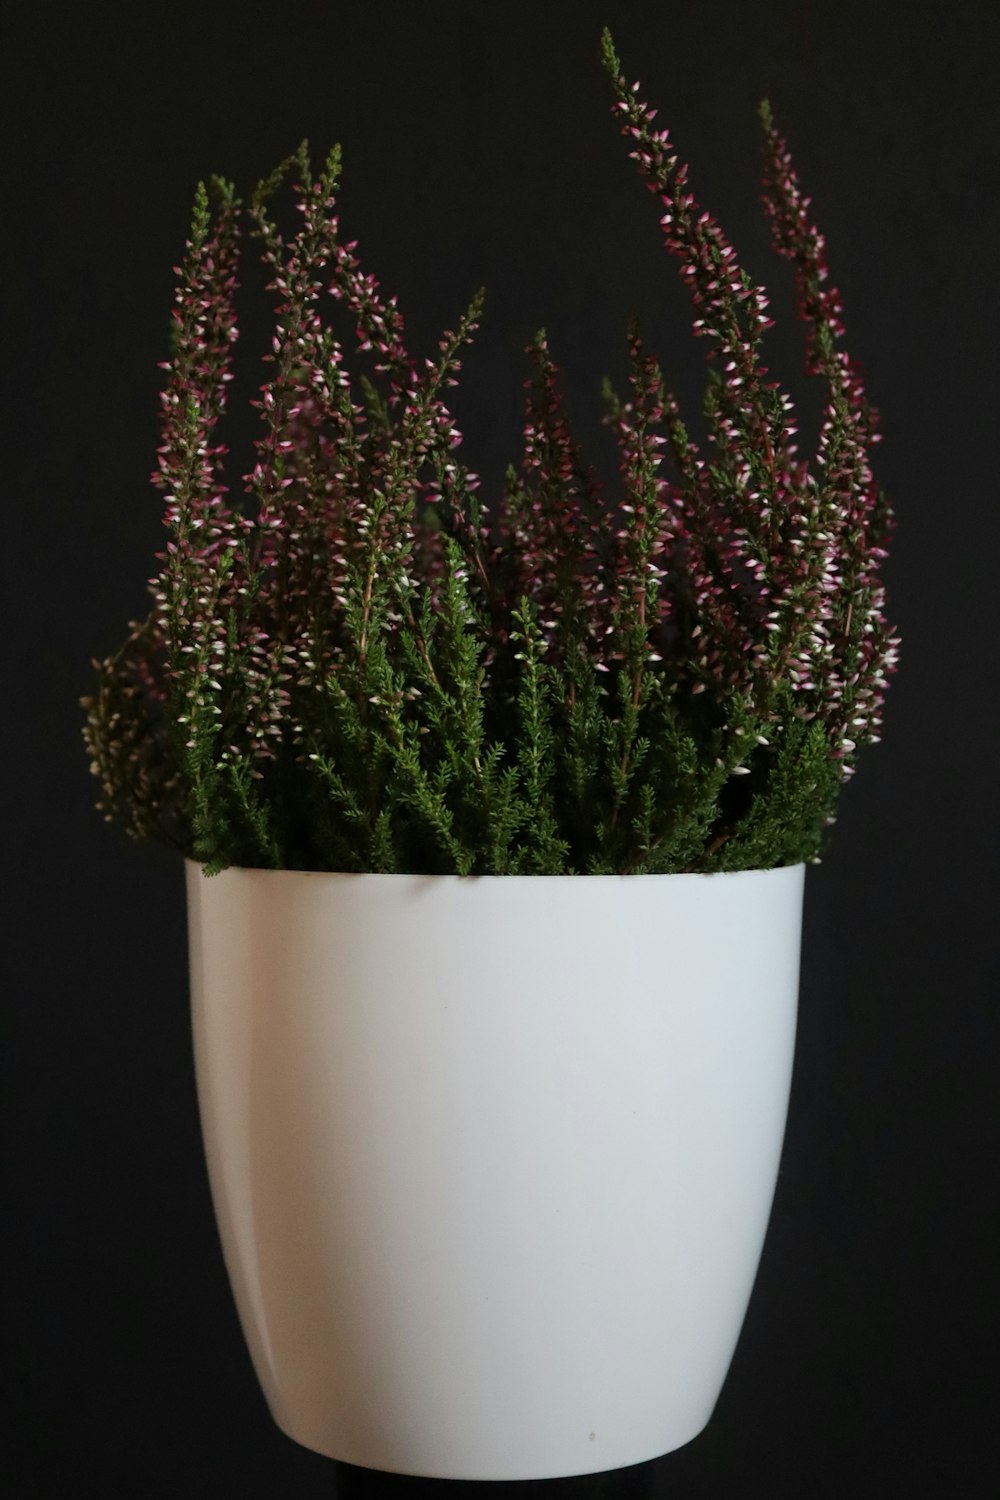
{"type": "Point", "coordinates": [417, 876]}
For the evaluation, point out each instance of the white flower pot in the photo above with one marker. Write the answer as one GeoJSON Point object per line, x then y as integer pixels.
{"type": "Point", "coordinates": [492, 1159]}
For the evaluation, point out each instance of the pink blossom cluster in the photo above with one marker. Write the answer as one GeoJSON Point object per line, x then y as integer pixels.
{"type": "Point", "coordinates": [201, 570]}
{"type": "Point", "coordinates": [553, 523]}
{"type": "Point", "coordinates": [855, 650]}
{"type": "Point", "coordinates": [783, 563]}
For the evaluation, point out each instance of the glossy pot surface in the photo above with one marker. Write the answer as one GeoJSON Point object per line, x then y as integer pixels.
{"type": "Point", "coordinates": [492, 1158]}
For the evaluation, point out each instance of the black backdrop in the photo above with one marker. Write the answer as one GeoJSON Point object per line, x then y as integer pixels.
{"type": "Point", "coordinates": [479, 148]}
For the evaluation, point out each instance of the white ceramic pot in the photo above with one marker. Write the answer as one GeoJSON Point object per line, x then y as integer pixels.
{"type": "Point", "coordinates": [492, 1159]}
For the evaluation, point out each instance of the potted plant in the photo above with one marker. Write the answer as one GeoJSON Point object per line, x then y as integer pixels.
{"type": "Point", "coordinates": [506, 812]}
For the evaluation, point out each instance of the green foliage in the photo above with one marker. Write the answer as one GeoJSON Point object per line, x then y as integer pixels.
{"type": "Point", "coordinates": [373, 672]}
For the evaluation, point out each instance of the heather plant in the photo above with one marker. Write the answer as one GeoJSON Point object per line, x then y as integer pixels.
{"type": "Point", "coordinates": [368, 668]}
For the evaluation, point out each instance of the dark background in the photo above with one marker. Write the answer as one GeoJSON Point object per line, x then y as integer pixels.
{"type": "Point", "coordinates": [479, 148]}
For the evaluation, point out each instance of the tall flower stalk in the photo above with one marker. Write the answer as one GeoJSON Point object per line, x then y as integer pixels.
{"type": "Point", "coordinates": [368, 668]}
